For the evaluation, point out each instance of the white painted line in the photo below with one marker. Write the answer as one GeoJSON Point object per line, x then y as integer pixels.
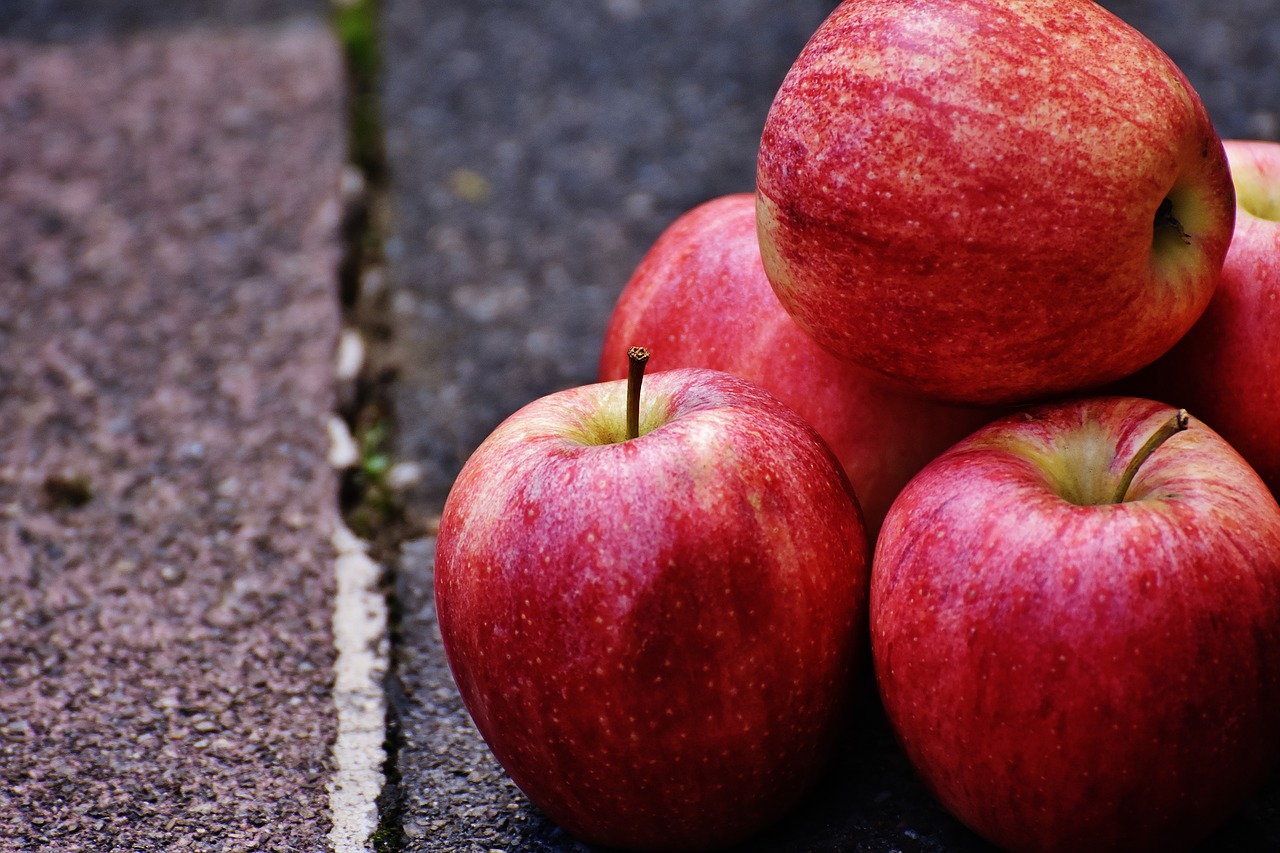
{"type": "Point", "coordinates": [360, 635]}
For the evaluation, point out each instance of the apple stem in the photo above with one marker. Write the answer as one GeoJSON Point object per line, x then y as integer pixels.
{"type": "Point", "coordinates": [1179, 421]}
{"type": "Point", "coordinates": [1166, 219]}
{"type": "Point", "coordinates": [637, 358]}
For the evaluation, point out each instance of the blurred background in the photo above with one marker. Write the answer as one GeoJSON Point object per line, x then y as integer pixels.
{"type": "Point", "coordinates": [538, 149]}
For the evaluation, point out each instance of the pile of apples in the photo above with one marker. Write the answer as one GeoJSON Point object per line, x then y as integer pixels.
{"type": "Point", "coordinates": [915, 401]}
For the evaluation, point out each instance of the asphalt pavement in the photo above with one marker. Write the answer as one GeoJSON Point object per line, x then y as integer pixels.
{"type": "Point", "coordinates": [535, 152]}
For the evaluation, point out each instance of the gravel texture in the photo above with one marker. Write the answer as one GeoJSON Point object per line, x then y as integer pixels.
{"type": "Point", "coordinates": [168, 246]}
{"type": "Point", "coordinates": [69, 21]}
{"type": "Point", "coordinates": [536, 150]}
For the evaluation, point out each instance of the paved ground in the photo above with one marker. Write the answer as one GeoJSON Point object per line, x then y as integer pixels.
{"type": "Point", "coordinates": [190, 646]}
{"type": "Point", "coordinates": [536, 150]}
{"type": "Point", "coordinates": [169, 241]}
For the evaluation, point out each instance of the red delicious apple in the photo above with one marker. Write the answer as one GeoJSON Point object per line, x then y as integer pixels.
{"type": "Point", "coordinates": [701, 299]}
{"type": "Point", "coordinates": [992, 201]}
{"type": "Point", "coordinates": [1227, 368]}
{"type": "Point", "coordinates": [656, 636]}
{"type": "Point", "coordinates": [1071, 670]}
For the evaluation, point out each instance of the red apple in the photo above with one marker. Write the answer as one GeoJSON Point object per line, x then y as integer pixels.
{"type": "Point", "coordinates": [656, 636]}
{"type": "Point", "coordinates": [991, 201]}
{"type": "Point", "coordinates": [701, 299]}
{"type": "Point", "coordinates": [1073, 671]}
{"type": "Point", "coordinates": [1227, 368]}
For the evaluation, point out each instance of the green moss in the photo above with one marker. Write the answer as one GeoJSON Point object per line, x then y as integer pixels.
{"type": "Point", "coordinates": [370, 505]}
{"type": "Point", "coordinates": [356, 25]}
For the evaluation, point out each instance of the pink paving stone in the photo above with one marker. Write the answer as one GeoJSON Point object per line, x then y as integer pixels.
{"type": "Point", "coordinates": [168, 309]}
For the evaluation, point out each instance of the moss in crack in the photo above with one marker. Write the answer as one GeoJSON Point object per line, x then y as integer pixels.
{"type": "Point", "coordinates": [356, 23]}
{"type": "Point", "coordinates": [369, 503]}
{"type": "Point", "coordinates": [368, 500]}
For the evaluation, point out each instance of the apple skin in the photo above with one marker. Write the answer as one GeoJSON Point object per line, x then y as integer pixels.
{"type": "Point", "coordinates": [1227, 368]}
{"type": "Point", "coordinates": [1071, 677]}
{"type": "Point", "coordinates": [962, 194]}
{"type": "Point", "coordinates": [658, 638]}
{"type": "Point", "coordinates": [700, 298]}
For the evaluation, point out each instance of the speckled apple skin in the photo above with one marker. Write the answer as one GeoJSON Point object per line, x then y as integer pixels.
{"type": "Point", "coordinates": [1083, 678]}
{"type": "Point", "coordinates": [659, 637]}
{"type": "Point", "coordinates": [1226, 370]}
{"type": "Point", "coordinates": [700, 298]}
{"type": "Point", "coordinates": [961, 194]}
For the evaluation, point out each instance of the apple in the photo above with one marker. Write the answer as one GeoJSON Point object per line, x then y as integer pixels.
{"type": "Point", "coordinates": [1227, 368]}
{"type": "Point", "coordinates": [1076, 628]}
{"type": "Point", "coordinates": [701, 299]}
{"type": "Point", "coordinates": [658, 635]}
{"type": "Point", "coordinates": [994, 202]}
